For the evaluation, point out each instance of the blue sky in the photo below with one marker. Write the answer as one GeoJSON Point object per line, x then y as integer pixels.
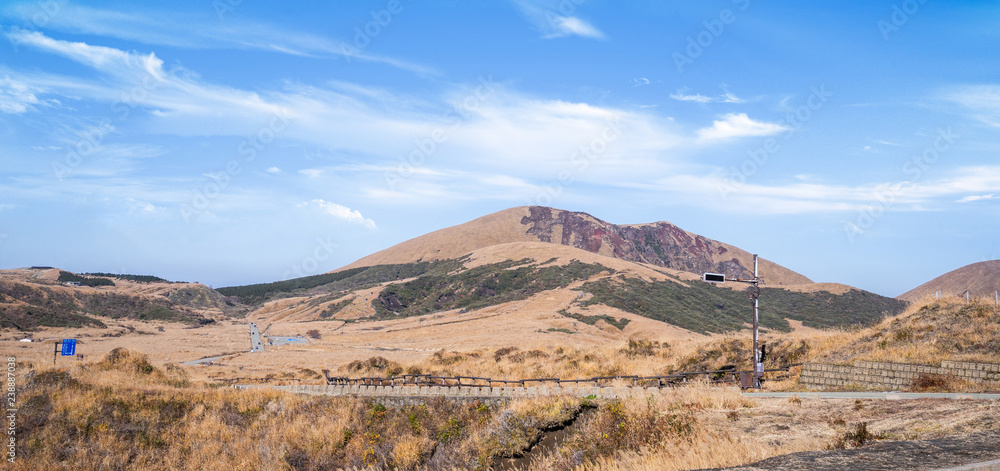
{"type": "Point", "coordinates": [233, 142]}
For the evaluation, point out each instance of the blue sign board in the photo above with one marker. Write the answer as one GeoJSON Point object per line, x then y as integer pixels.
{"type": "Point", "coordinates": [68, 347]}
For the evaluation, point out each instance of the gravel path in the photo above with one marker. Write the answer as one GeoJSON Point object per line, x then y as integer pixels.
{"type": "Point", "coordinates": [934, 454]}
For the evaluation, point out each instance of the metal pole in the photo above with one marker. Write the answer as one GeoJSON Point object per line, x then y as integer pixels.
{"type": "Point", "coordinates": [757, 367]}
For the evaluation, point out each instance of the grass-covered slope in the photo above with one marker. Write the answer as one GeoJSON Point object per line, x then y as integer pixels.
{"type": "Point", "coordinates": [425, 287]}
{"type": "Point", "coordinates": [337, 282]}
{"type": "Point", "coordinates": [705, 308]}
{"type": "Point", "coordinates": [26, 306]}
{"type": "Point", "coordinates": [482, 286]}
{"type": "Point", "coordinates": [928, 333]}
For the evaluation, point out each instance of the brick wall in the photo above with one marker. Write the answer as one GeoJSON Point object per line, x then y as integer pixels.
{"type": "Point", "coordinates": [890, 376]}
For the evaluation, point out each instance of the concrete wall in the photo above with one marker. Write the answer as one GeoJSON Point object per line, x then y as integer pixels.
{"type": "Point", "coordinates": [890, 376]}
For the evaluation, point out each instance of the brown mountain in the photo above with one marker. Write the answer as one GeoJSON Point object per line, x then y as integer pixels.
{"type": "Point", "coordinates": [981, 279]}
{"type": "Point", "coordinates": [660, 243]}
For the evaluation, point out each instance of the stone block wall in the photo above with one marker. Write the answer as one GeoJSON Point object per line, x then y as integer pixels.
{"type": "Point", "coordinates": [890, 376]}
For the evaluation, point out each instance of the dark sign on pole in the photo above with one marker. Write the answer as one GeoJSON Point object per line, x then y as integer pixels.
{"type": "Point", "coordinates": [714, 277]}
{"type": "Point", "coordinates": [68, 347]}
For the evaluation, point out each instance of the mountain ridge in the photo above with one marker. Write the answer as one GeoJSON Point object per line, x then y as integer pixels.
{"type": "Point", "coordinates": [661, 243]}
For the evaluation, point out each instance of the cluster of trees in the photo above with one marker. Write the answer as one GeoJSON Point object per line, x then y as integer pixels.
{"type": "Point", "coordinates": [67, 277]}
{"type": "Point", "coordinates": [136, 278]}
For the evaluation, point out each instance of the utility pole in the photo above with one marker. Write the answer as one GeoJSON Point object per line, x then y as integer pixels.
{"type": "Point", "coordinates": [758, 365]}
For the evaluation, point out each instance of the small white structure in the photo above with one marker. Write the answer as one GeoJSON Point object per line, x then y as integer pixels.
{"type": "Point", "coordinates": [26, 340]}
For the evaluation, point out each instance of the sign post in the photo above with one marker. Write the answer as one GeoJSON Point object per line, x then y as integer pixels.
{"type": "Point", "coordinates": [758, 360]}
{"type": "Point", "coordinates": [66, 347]}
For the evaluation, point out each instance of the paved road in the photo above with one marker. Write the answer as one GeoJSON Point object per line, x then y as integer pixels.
{"type": "Point", "coordinates": [206, 360]}
{"type": "Point", "coordinates": [255, 345]}
{"type": "Point", "coordinates": [874, 395]}
{"type": "Point", "coordinates": [972, 452]}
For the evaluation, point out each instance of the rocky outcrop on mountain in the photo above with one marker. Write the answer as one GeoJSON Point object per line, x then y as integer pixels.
{"type": "Point", "coordinates": [661, 243]}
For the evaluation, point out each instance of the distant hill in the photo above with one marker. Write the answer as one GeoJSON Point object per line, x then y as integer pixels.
{"type": "Point", "coordinates": [49, 297]}
{"type": "Point", "coordinates": [981, 279]}
{"type": "Point", "coordinates": [661, 243]}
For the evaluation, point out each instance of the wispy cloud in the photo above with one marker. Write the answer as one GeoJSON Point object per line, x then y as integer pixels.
{"type": "Point", "coordinates": [198, 32]}
{"type": "Point", "coordinates": [17, 97]}
{"type": "Point", "coordinates": [983, 101]}
{"type": "Point", "coordinates": [799, 196]}
{"type": "Point", "coordinates": [727, 96]}
{"type": "Point", "coordinates": [545, 15]}
{"type": "Point", "coordinates": [340, 212]}
{"type": "Point", "coordinates": [735, 125]}
{"type": "Point", "coordinates": [969, 199]}
{"type": "Point", "coordinates": [640, 82]}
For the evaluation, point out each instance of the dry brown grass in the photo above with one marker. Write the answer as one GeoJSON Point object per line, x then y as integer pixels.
{"type": "Point", "coordinates": [928, 332]}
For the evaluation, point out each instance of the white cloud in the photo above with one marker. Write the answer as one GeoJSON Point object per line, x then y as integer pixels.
{"type": "Point", "coordinates": [982, 100]}
{"type": "Point", "coordinates": [640, 82]}
{"type": "Point", "coordinates": [727, 96]}
{"type": "Point", "coordinates": [682, 95]}
{"type": "Point", "coordinates": [17, 97]}
{"type": "Point", "coordinates": [556, 25]}
{"type": "Point", "coordinates": [735, 125]}
{"type": "Point", "coordinates": [806, 196]}
{"type": "Point", "coordinates": [273, 170]}
{"type": "Point", "coordinates": [199, 32]}
{"type": "Point", "coordinates": [969, 199]}
{"type": "Point", "coordinates": [571, 25]}
{"type": "Point", "coordinates": [310, 172]}
{"type": "Point", "coordinates": [341, 212]}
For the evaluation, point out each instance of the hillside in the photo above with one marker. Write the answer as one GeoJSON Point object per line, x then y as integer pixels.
{"type": "Point", "coordinates": [592, 289]}
{"type": "Point", "coordinates": [927, 333]}
{"type": "Point", "coordinates": [981, 279]}
{"type": "Point", "coordinates": [662, 243]}
{"type": "Point", "coordinates": [30, 299]}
